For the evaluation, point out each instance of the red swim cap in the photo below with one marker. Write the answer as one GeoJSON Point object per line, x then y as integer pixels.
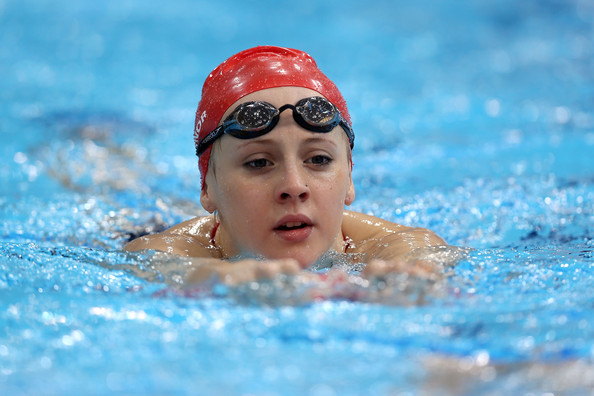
{"type": "Point", "coordinates": [253, 70]}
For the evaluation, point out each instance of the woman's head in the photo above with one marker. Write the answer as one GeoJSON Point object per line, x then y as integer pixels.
{"type": "Point", "coordinates": [280, 194]}
{"type": "Point", "coordinates": [253, 70]}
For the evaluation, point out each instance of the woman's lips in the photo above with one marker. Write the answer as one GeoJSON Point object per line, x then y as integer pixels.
{"type": "Point", "coordinates": [294, 228]}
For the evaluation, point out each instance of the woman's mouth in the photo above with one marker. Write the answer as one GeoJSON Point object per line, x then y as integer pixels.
{"type": "Point", "coordinates": [291, 226]}
{"type": "Point", "coordinates": [294, 228]}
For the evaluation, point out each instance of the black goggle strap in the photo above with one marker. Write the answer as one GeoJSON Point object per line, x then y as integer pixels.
{"type": "Point", "coordinates": [209, 139]}
{"type": "Point", "coordinates": [348, 130]}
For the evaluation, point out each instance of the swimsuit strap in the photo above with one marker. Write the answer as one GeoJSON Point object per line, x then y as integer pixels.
{"type": "Point", "coordinates": [213, 233]}
{"type": "Point", "coordinates": [347, 242]}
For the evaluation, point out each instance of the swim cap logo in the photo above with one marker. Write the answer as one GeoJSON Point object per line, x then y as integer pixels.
{"type": "Point", "coordinates": [200, 121]}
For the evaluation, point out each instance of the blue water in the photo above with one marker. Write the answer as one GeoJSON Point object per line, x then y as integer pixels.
{"type": "Point", "coordinates": [474, 119]}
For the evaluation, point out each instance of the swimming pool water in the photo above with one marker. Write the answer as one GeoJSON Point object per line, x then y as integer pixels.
{"type": "Point", "coordinates": [474, 120]}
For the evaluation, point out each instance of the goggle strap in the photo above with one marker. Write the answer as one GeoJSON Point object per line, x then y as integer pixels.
{"type": "Point", "coordinates": [209, 139]}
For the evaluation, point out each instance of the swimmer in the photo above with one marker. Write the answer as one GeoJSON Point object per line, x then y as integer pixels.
{"type": "Point", "coordinates": [274, 140]}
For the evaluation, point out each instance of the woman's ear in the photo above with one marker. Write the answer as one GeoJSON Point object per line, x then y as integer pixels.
{"type": "Point", "coordinates": [206, 200]}
{"type": "Point", "coordinates": [350, 194]}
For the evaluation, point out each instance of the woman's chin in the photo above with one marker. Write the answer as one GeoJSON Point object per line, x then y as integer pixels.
{"type": "Point", "coordinates": [308, 261]}
{"type": "Point", "coordinates": [306, 264]}
{"type": "Point", "coordinates": [304, 260]}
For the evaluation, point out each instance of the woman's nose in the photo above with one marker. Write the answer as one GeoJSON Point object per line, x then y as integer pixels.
{"type": "Point", "coordinates": [292, 185]}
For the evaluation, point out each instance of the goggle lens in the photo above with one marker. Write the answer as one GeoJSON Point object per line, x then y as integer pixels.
{"type": "Point", "coordinates": [254, 116]}
{"type": "Point", "coordinates": [318, 111]}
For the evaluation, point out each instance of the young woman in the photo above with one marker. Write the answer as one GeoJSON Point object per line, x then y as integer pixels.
{"type": "Point", "coordinates": [274, 140]}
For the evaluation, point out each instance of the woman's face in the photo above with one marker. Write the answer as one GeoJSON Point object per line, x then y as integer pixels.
{"type": "Point", "coordinates": [280, 195]}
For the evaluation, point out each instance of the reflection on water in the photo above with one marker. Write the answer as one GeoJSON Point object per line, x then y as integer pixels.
{"type": "Point", "coordinates": [477, 375]}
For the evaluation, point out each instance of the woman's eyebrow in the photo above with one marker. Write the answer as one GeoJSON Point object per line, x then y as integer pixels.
{"type": "Point", "coordinates": [317, 139]}
{"type": "Point", "coordinates": [257, 141]}
{"type": "Point", "coordinates": [320, 139]}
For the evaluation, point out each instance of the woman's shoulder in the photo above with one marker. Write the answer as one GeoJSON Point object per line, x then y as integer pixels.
{"type": "Point", "coordinates": [373, 235]}
{"type": "Point", "coordinates": [201, 227]}
{"type": "Point", "coordinates": [192, 238]}
{"type": "Point", "coordinates": [357, 223]}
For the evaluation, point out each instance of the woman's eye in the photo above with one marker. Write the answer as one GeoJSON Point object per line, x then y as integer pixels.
{"type": "Point", "coordinates": [320, 160]}
{"type": "Point", "coordinates": [258, 163]}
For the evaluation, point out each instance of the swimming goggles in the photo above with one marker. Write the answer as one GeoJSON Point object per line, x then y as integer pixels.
{"type": "Point", "coordinates": [253, 119]}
